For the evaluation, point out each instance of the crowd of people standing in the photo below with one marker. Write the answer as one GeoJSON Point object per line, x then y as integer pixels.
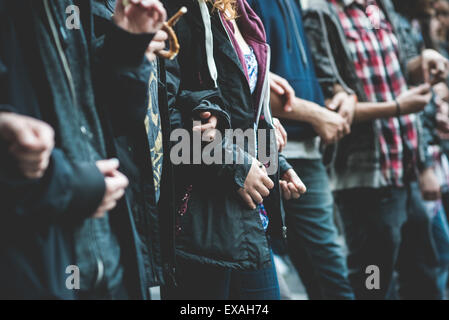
{"type": "Point", "coordinates": [89, 119]}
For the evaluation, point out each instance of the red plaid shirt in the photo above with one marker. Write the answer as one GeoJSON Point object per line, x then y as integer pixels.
{"type": "Point", "coordinates": [374, 49]}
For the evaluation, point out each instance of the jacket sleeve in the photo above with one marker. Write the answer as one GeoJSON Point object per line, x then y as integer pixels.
{"type": "Point", "coordinates": [68, 193]}
{"type": "Point", "coordinates": [121, 70]}
{"type": "Point", "coordinates": [324, 60]}
{"type": "Point", "coordinates": [185, 105]}
{"type": "Point", "coordinates": [284, 166]}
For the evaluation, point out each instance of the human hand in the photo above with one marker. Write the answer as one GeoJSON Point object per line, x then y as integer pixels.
{"type": "Point", "coordinates": [257, 185]}
{"type": "Point", "coordinates": [116, 183]}
{"type": "Point", "coordinates": [31, 142]}
{"type": "Point", "coordinates": [140, 16]}
{"type": "Point", "coordinates": [291, 185]}
{"type": "Point", "coordinates": [282, 88]}
{"type": "Point", "coordinates": [415, 100]}
{"type": "Point", "coordinates": [281, 134]}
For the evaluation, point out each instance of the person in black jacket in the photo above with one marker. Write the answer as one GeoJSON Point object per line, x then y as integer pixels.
{"type": "Point", "coordinates": [222, 232]}
{"type": "Point", "coordinates": [80, 86]}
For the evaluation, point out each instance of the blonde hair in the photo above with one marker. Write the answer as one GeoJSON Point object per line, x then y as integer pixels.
{"type": "Point", "coordinates": [227, 7]}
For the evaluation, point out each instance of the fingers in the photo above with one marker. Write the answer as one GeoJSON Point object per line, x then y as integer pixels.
{"type": "Point", "coordinates": [31, 143]}
{"type": "Point", "coordinates": [34, 170]}
{"type": "Point", "coordinates": [275, 87]}
{"type": "Point", "coordinates": [268, 182]}
{"type": "Point", "coordinates": [205, 115]}
{"type": "Point", "coordinates": [140, 16]}
{"type": "Point", "coordinates": [346, 129]}
{"type": "Point", "coordinates": [281, 87]}
{"type": "Point", "coordinates": [116, 183]}
{"type": "Point", "coordinates": [208, 129]}
{"type": "Point", "coordinates": [286, 193]}
{"type": "Point", "coordinates": [281, 134]}
{"type": "Point", "coordinates": [423, 89]}
{"type": "Point", "coordinates": [337, 101]}
{"type": "Point", "coordinates": [156, 45]}
{"type": "Point", "coordinates": [294, 191]}
{"type": "Point", "coordinates": [107, 167]}
{"type": "Point", "coordinates": [293, 177]}
{"type": "Point", "coordinates": [45, 135]}
{"type": "Point", "coordinates": [154, 9]}
{"type": "Point", "coordinates": [294, 184]}
{"type": "Point", "coordinates": [255, 195]}
{"type": "Point", "coordinates": [247, 199]}
{"type": "Point", "coordinates": [262, 190]}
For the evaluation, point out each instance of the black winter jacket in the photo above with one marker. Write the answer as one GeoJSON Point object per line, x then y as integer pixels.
{"type": "Point", "coordinates": [154, 221]}
{"type": "Point", "coordinates": [213, 225]}
{"type": "Point", "coordinates": [39, 217]}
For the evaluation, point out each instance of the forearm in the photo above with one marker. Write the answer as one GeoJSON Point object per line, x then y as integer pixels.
{"type": "Point", "coordinates": [367, 111]}
{"type": "Point", "coordinates": [305, 111]}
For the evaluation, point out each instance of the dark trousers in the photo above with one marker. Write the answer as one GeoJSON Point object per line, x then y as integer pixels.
{"type": "Point", "coordinates": [389, 228]}
{"type": "Point", "coordinates": [312, 236]}
{"type": "Point", "coordinates": [205, 282]}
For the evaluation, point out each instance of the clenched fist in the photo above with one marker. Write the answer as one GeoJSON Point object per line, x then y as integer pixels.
{"type": "Point", "coordinates": [30, 141]}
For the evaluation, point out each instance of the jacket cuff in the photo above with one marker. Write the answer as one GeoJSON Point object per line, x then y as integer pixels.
{"type": "Point", "coordinates": [6, 108]}
{"type": "Point", "coordinates": [224, 121]}
{"type": "Point", "coordinates": [88, 189]}
{"type": "Point", "coordinates": [124, 49]}
{"type": "Point", "coordinates": [284, 166]}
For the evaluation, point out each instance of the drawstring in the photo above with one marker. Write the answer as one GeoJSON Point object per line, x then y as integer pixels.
{"type": "Point", "coordinates": [205, 14]}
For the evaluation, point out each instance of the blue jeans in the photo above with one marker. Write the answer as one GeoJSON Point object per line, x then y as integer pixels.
{"type": "Point", "coordinates": [440, 229]}
{"type": "Point", "coordinates": [389, 228]}
{"type": "Point", "coordinates": [205, 282]}
{"type": "Point", "coordinates": [312, 236]}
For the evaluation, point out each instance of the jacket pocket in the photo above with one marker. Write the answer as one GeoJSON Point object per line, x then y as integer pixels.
{"type": "Point", "coordinates": [214, 225]}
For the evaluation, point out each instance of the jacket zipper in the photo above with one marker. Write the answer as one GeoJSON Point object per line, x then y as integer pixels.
{"type": "Point", "coordinates": [263, 98]}
{"type": "Point", "coordinates": [296, 32]}
{"type": "Point", "coordinates": [68, 73]}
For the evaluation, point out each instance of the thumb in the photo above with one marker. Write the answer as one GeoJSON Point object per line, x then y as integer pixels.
{"type": "Point", "coordinates": [423, 89]}
{"type": "Point", "coordinates": [26, 138]}
{"type": "Point", "coordinates": [297, 182]}
{"type": "Point", "coordinates": [336, 102]}
{"type": "Point", "coordinates": [205, 115]}
{"type": "Point", "coordinates": [107, 167]}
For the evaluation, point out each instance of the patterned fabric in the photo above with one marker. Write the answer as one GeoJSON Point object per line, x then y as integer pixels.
{"type": "Point", "coordinates": [253, 69]}
{"type": "Point", "coordinates": [374, 48]}
{"type": "Point", "coordinates": [154, 130]}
